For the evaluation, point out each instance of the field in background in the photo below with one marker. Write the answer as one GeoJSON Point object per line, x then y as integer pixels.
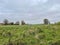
{"type": "Point", "coordinates": [30, 35]}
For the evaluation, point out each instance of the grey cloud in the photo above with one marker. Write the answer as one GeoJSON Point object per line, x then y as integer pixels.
{"type": "Point", "coordinates": [32, 11]}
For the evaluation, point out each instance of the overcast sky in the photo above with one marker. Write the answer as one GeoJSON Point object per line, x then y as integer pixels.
{"type": "Point", "coordinates": [31, 11]}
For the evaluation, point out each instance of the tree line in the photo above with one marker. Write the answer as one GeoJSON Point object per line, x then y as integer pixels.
{"type": "Point", "coordinates": [6, 22]}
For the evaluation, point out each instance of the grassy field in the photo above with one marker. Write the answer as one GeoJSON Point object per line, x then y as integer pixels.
{"type": "Point", "coordinates": [30, 35]}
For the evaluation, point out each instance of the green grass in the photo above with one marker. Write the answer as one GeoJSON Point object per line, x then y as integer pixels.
{"type": "Point", "coordinates": [30, 35]}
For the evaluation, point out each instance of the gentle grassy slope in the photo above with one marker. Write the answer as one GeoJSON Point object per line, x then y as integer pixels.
{"type": "Point", "coordinates": [30, 35]}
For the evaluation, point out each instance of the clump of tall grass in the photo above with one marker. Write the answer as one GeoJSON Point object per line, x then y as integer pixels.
{"type": "Point", "coordinates": [40, 36]}
{"type": "Point", "coordinates": [6, 34]}
{"type": "Point", "coordinates": [55, 43]}
{"type": "Point", "coordinates": [38, 30]}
